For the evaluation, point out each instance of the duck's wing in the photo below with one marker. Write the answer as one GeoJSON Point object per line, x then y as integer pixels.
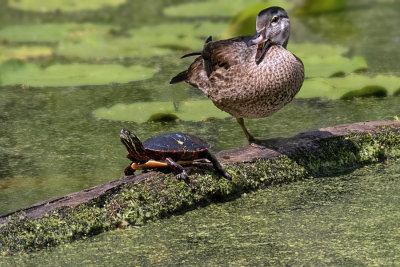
{"type": "Point", "coordinates": [216, 57]}
{"type": "Point", "coordinates": [223, 54]}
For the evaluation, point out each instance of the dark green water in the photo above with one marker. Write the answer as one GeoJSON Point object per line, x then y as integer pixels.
{"type": "Point", "coordinates": [348, 220]}
{"type": "Point", "coordinates": [51, 145]}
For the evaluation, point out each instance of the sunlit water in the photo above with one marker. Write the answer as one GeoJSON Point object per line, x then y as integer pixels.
{"type": "Point", "coordinates": [51, 145]}
{"type": "Point", "coordinates": [348, 220]}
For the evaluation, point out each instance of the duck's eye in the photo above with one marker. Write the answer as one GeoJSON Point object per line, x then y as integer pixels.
{"type": "Point", "coordinates": [275, 19]}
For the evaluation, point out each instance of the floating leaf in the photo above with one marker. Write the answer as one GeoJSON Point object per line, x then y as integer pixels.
{"type": "Point", "coordinates": [147, 41]}
{"type": "Point", "coordinates": [23, 52]}
{"type": "Point", "coordinates": [91, 41]}
{"type": "Point", "coordinates": [329, 66]}
{"type": "Point", "coordinates": [16, 72]}
{"type": "Point", "coordinates": [192, 110]}
{"type": "Point", "coordinates": [324, 60]}
{"type": "Point", "coordinates": [367, 91]}
{"type": "Point", "coordinates": [52, 32]}
{"type": "Point", "coordinates": [335, 88]}
{"type": "Point", "coordinates": [318, 6]}
{"type": "Point", "coordinates": [62, 5]}
{"type": "Point", "coordinates": [303, 50]}
{"type": "Point", "coordinates": [216, 8]}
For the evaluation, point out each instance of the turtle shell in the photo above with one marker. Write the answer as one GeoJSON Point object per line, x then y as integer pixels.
{"type": "Point", "coordinates": [178, 142]}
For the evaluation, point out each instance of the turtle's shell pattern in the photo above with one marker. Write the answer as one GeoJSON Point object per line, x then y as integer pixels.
{"type": "Point", "coordinates": [178, 142]}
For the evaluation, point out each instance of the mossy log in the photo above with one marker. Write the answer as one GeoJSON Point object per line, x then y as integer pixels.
{"type": "Point", "coordinates": [133, 200]}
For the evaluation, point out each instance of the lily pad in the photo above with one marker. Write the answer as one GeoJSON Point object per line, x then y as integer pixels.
{"type": "Point", "coordinates": [147, 41]}
{"type": "Point", "coordinates": [14, 72]}
{"type": "Point", "coordinates": [216, 8]}
{"type": "Point", "coordinates": [318, 6]}
{"type": "Point", "coordinates": [335, 88]}
{"type": "Point", "coordinates": [367, 91]}
{"type": "Point", "coordinates": [62, 5]}
{"type": "Point", "coordinates": [23, 52]}
{"type": "Point", "coordinates": [329, 66]}
{"type": "Point", "coordinates": [191, 110]}
{"type": "Point", "coordinates": [324, 60]}
{"type": "Point", "coordinates": [52, 32]}
{"type": "Point", "coordinates": [316, 49]}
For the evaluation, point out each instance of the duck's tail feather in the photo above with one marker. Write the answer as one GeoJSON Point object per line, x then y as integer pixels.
{"type": "Point", "coordinates": [191, 54]}
{"type": "Point", "coordinates": [181, 77]}
{"type": "Point", "coordinates": [209, 39]}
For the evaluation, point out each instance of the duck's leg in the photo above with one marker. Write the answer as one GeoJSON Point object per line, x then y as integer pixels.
{"type": "Point", "coordinates": [248, 135]}
{"type": "Point", "coordinates": [251, 139]}
{"type": "Point", "coordinates": [218, 166]}
{"type": "Point", "coordinates": [177, 168]}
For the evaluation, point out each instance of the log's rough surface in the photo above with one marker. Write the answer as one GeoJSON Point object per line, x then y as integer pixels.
{"type": "Point", "coordinates": [308, 141]}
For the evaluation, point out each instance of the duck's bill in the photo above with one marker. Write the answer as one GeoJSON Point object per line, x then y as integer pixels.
{"type": "Point", "coordinates": [263, 44]}
{"type": "Point", "coordinates": [256, 39]}
{"type": "Point", "coordinates": [262, 49]}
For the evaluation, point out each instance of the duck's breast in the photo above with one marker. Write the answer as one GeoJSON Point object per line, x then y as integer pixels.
{"type": "Point", "coordinates": [251, 90]}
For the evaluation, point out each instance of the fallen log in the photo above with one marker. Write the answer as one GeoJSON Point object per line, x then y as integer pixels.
{"type": "Point", "coordinates": [132, 200]}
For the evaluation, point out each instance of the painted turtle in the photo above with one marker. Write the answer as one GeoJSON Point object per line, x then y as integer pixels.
{"type": "Point", "coordinates": [167, 150]}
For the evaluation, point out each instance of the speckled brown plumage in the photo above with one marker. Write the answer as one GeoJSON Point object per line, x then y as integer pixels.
{"type": "Point", "coordinates": [239, 86]}
{"type": "Point", "coordinates": [245, 79]}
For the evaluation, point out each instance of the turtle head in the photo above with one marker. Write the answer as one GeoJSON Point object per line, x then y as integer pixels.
{"type": "Point", "coordinates": [136, 150]}
{"type": "Point", "coordinates": [272, 28]}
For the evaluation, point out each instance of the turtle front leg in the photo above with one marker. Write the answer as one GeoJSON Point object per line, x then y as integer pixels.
{"type": "Point", "coordinates": [218, 166]}
{"type": "Point", "coordinates": [177, 168]}
{"type": "Point", "coordinates": [129, 170]}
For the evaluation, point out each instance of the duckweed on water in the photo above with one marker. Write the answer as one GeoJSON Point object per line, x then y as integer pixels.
{"type": "Point", "coordinates": [164, 195]}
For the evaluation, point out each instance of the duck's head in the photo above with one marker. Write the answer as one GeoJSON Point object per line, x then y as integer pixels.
{"type": "Point", "coordinates": [273, 28]}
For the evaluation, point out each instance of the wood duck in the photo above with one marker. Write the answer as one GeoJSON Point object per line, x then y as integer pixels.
{"type": "Point", "coordinates": [249, 76]}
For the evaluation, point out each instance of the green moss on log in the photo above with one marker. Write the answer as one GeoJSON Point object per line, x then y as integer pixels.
{"type": "Point", "coordinates": [164, 195]}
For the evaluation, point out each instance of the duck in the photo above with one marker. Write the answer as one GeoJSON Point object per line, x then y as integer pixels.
{"type": "Point", "coordinates": [248, 77]}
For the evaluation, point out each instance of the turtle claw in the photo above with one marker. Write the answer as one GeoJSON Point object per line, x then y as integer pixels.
{"type": "Point", "coordinates": [227, 175]}
{"type": "Point", "coordinates": [182, 176]}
